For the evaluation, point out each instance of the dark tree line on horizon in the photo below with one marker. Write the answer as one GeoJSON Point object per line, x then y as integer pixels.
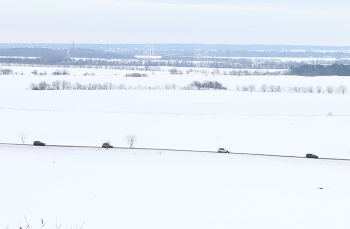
{"type": "Point", "coordinates": [320, 70]}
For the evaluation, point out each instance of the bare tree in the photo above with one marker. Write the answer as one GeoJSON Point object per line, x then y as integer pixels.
{"type": "Point", "coordinates": [78, 86]}
{"type": "Point", "coordinates": [342, 89]}
{"type": "Point", "coordinates": [131, 140]}
{"type": "Point", "coordinates": [278, 88]}
{"type": "Point", "coordinates": [319, 89]}
{"type": "Point", "coordinates": [121, 87]}
{"type": "Point", "coordinates": [108, 86]}
{"type": "Point", "coordinates": [20, 225]}
{"type": "Point", "coordinates": [57, 226]}
{"type": "Point", "coordinates": [57, 72]}
{"type": "Point", "coordinates": [43, 222]}
{"type": "Point", "coordinates": [330, 89]}
{"type": "Point", "coordinates": [23, 137]}
{"type": "Point", "coordinates": [296, 89]}
{"type": "Point", "coordinates": [251, 87]}
{"type": "Point", "coordinates": [304, 89]}
{"type": "Point", "coordinates": [170, 86]}
{"type": "Point", "coordinates": [89, 86]}
{"type": "Point", "coordinates": [33, 86]}
{"type": "Point", "coordinates": [311, 89]}
{"type": "Point", "coordinates": [65, 72]}
{"type": "Point", "coordinates": [66, 85]}
{"type": "Point", "coordinates": [82, 225]}
{"type": "Point", "coordinates": [28, 225]}
{"type": "Point", "coordinates": [263, 88]}
{"type": "Point", "coordinates": [43, 85]}
{"type": "Point", "coordinates": [272, 88]}
{"type": "Point", "coordinates": [57, 85]}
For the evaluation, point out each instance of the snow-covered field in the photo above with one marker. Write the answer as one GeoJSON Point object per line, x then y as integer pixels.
{"type": "Point", "coordinates": [151, 189]}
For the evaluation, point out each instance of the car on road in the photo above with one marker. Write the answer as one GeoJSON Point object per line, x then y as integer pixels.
{"type": "Point", "coordinates": [310, 155]}
{"type": "Point", "coordinates": [222, 150]}
{"type": "Point", "coordinates": [39, 143]}
{"type": "Point", "coordinates": [107, 145]}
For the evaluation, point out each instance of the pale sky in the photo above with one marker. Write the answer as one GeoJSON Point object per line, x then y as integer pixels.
{"type": "Point", "coordinates": [289, 22]}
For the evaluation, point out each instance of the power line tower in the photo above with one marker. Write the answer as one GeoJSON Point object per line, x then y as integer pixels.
{"type": "Point", "coordinates": [68, 53]}
{"type": "Point", "coordinates": [197, 52]}
{"type": "Point", "coordinates": [227, 55]}
{"type": "Point", "coordinates": [107, 57]}
{"type": "Point", "coordinates": [148, 50]}
{"type": "Point", "coordinates": [341, 58]}
{"type": "Point", "coordinates": [68, 50]}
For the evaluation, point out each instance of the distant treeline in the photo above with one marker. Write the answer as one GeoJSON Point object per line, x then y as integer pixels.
{"type": "Point", "coordinates": [61, 60]}
{"type": "Point", "coordinates": [100, 57]}
{"type": "Point", "coordinates": [320, 70]}
{"type": "Point", "coordinates": [66, 85]}
{"type": "Point", "coordinates": [74, 53]}
{"type": "Point", "coordinates": [296, 89]}
{"type": "Point", "coordinates": [200, 50]}
{"type": "Point", "coordinates": [48, 60]}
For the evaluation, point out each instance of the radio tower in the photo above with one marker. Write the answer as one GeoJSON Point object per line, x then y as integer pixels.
{"type": "Point", "coordinates": [197, 52]}
{"type": "Point", "coordinates": [148, 51]}
{"type": "Point", "coordinates": [68, 53]}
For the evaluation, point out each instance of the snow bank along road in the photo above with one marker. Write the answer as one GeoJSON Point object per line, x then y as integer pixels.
{"type": "Point", "coordinates": [177, 150]}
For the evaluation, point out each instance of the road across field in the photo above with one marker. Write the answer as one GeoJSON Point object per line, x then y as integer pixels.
{"type": "Point", "coordinates": [180, 150]}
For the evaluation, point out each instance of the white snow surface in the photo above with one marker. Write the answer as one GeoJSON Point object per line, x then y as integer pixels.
{"type": "Point", "coordinates": [161, 189]}
{"type": "Point", "coordinates": [123, 188]}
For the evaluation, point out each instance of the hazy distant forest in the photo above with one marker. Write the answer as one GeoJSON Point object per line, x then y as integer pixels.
{"type": "Point", "coordinates": [179, 58]}
{"type": "Point", "coordinates": [83, 57]}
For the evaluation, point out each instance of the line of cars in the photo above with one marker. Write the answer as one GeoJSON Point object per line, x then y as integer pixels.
{"type": "Point", "coordinates": [220, 150]}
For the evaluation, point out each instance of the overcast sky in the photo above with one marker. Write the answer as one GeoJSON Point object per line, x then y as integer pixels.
{"type": "Point", "coordinates": [294, 22]}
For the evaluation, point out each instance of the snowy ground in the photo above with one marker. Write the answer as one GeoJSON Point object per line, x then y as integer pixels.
{"type": "Point", "coordinates": [121, 189]}
{"type": "Point", "coordinates": [148, 189]}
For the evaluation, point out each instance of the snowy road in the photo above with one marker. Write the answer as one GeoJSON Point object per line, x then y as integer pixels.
{"type": "Point", "coordinates": [250, 156]}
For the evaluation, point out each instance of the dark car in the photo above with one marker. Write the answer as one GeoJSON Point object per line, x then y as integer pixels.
{"type": "Point", "coordinates": [39, 143]}
{"type": "Point", "coordinates": [309, 155]}
{"type": "Point", "coordinates": [106, 145]}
